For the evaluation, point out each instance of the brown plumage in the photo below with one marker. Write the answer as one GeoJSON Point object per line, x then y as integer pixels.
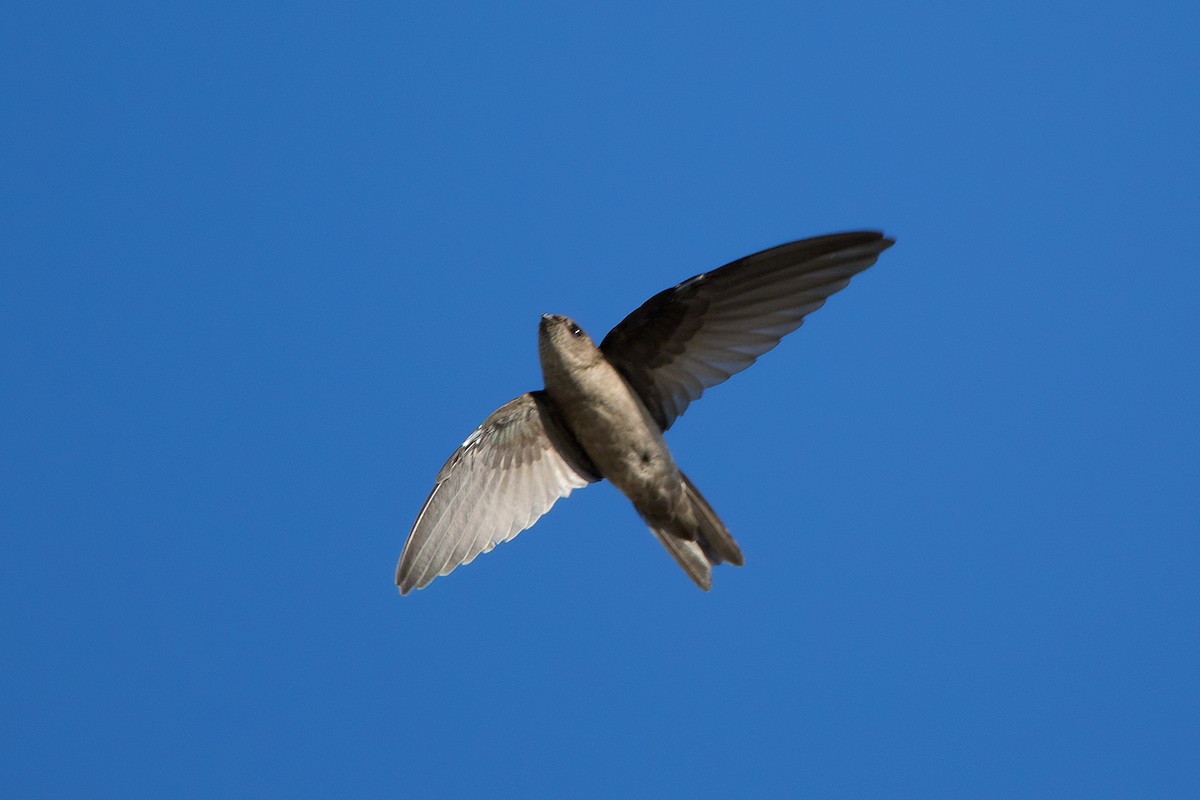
{"type": "Point", "coordinates": [604, 410]}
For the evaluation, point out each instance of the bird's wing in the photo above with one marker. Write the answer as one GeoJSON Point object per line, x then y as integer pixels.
{"type": "Point", "coordinates": [506, 475]}
{"type": "Point", "coordinates": [699, 333]}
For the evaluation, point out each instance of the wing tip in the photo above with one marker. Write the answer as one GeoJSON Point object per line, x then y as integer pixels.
{"type": "Point", "coordinates": [879, 239]}
{"type": "Point", "coordinates": [404, 581]}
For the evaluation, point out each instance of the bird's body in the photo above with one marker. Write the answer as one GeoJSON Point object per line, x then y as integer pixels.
{"type": "Point", "coordinates": [607, 418]}
{"type": "Point", "coordinates": [604, 410]}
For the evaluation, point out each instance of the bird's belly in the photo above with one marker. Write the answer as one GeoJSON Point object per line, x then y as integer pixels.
{"type": "Point", "coordinates": [622, 440]}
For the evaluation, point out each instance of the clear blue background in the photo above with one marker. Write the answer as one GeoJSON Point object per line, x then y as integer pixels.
{"type": "Point", "coordinates": [265, 267]}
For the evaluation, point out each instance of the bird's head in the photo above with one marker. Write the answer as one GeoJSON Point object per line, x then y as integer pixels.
{"type": "Point", "coordinates": [563, 345]}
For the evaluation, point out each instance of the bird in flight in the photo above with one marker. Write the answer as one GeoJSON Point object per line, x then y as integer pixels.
{"type": "Point", "coordinates": [603, 411]}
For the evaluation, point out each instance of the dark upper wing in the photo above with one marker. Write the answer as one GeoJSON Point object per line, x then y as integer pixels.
{"type": "Point", "coordinates": [506, 475]}
{"type": "Point", "coordinates": [697, 334]}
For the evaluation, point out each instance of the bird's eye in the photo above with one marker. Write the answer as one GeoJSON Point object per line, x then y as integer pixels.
{"type": "Point", "coordinates": [576, 332]}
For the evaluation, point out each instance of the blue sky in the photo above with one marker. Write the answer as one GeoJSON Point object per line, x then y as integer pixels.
{"type": "Point", "coordinates": [265, 268]}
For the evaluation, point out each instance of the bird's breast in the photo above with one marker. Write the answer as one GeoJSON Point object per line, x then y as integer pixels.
{"type": "Point", "coordinates": [612, 425]}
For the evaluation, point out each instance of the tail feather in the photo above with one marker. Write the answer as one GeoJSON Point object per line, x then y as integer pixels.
{"type": "Point", "coordinates": [696, 538]}
{"type": "Point", "coordinates": [687, 554]}
{"type": "Point", "coordinates": [712, 534]}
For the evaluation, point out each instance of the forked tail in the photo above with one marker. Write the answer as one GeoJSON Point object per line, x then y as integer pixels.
{"type": "Point", "coordinates": [696, 538]}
